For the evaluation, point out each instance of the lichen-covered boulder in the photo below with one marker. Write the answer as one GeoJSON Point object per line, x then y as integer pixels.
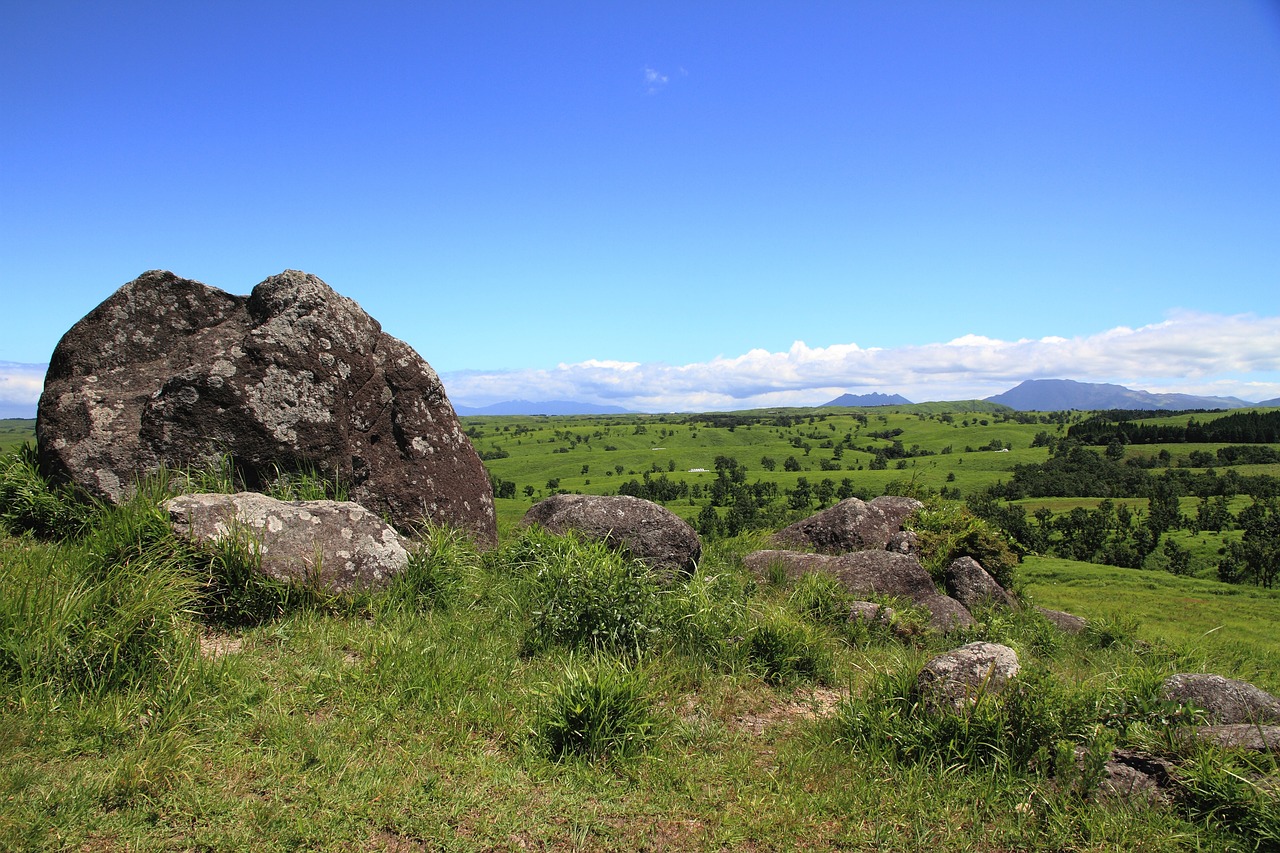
{"type": "Point", "coordinates": [865, 573]}
{"type": "Point", "coordinates": [968, 583]}
{"type": "Point", "coordinates": [956, 679]}
{"type": "Point", "coordinates": [851, 525]}
{"type": "Point", "coordinates": [168, 372]}
{"type": "Point", "coordinates": [339, 546]}
{"type": "Point", "coordinates": [861, 572]}
{"type": "Point", "coordinates": [896, 508]}
{"type": "Point", "coordinates": [1225, 700]}
{"type": "Point", "coordinates": [647, 531]}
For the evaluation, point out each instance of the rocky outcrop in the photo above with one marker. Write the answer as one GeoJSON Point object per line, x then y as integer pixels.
{"type": "Point", "coordinates": [956, 679]}
{"type": "Point", "coordinates": [647, 531]}
{"type": "Point", "coordinates": [168, 372]}
{"type": "Point", "coordinates": [338, 546]}
{"type": "Point", "coordinates": [851, 525]}
{"type": "Point", "coordinates": [866, 573]}
{"type": "Point", "coordinates": [896, 509]}
{"type": "Point", "coordinates": [1224, 700]}
{"type": "Point", "coordinates": [968, 583]}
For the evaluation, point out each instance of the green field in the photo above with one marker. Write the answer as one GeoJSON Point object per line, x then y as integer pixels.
{"type": "Point", "coordinates": [149, 703]}
{"type": "Point", "coordinates": [15, 431]}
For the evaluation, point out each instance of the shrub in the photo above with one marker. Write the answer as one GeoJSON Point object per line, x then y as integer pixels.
{"type": "Point", "coordinates": [596, 712]}
{"type": "Point", "coordinates": [950, 531]}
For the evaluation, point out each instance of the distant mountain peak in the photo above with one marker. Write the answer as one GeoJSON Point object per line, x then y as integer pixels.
{"type": "Point", "coordinates": [867, 400]}
{"type": "Point", "coordinates": [1051, 395]}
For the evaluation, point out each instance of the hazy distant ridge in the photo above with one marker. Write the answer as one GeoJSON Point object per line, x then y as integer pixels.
{"type": "Point", "coordinates": [547, 407]}
{"type": "Point", "coordinates": [1049, 395]}
{"type": "Point", "coordinates": [876, 399]}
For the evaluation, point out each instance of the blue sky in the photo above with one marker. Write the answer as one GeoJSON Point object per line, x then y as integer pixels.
{"type": "Point", "coordinates": [671, 205]}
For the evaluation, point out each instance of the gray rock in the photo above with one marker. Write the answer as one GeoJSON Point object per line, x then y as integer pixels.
{"type": "Point", "coordinates": [896, 509]}
{"type": "Point", "coordinates": [1225, 700]}
{"type": "Point", "coordinates": [869, 611]}
{"type": "Point", "coordinates": [649, 532]}
{"type": "Point", "coordinates": [946, 614]}
{"type": "Point", "coordinates": [338, 545]}
{"type": "Point", "coordinates": [968, 583]}
{"type": "Point", "coordinates": [850, 525]}
{"type": "Point", "coordinates": [168, 372]}
{"type": "Point", "coordinates": [905, 542]}
{"type": "Point", "coordinates": [1132, 775]}
{"type": "Point", "coordinates": [863, 573]}
{"type": "Point", "coordinates": [1250, 736]}
{"type": "Point", "coordinates": [866, 573]}
{"type": "Point", "coordinates": [1066, 622]}
{"type": "Point", "coordinates": [956, 679]}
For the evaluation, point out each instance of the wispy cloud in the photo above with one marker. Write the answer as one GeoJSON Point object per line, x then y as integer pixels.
{"type": "Point", "coordinates": [20, 387]}
{"type": "Point", "coordinates": [1193, 353]}
{"type": "Point", "coordinates": [654, 80]}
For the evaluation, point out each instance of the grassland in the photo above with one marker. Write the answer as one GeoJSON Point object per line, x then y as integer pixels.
{"type": "Point", "coordinates": [14, 432]}
{"type": "Point", "coordinates": [422, 718]}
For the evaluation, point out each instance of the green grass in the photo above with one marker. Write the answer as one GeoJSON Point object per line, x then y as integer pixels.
{"type": "Point", "coordinates": [546, 695]}
{"type": "Point", "coordinates": [14, 432]}
{"type": "Point", "coordinates": [1219, 626]}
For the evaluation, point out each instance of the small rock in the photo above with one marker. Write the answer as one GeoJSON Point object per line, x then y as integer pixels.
{"type": "Point", "coordinates": [1066, 622]}
{"type": "Point", "coordinates": [970, 584]}
{"type": "Point", "coordinates": [956, 679]}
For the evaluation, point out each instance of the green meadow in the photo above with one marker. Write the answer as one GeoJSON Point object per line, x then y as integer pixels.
{"type": "Point", "coordinates": [547, 694]}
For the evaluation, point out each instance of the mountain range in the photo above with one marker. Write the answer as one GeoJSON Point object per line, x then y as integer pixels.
{"type": "Point", "coordinates": [1051, 395]}
{"type": "Point", "coordinates": [876, 399]}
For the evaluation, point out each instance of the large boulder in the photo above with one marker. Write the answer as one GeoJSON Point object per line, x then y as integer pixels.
{"type": "Point", "coordinates": [1224, 700]}
{"type": "Point", "coordinates": [339, 546]}
{"type": "Point", "coordinates": [169, 372]}
{"type": "Point", "coordinates": [866, 573]}
{"type": "Point", "coordinates": [647, 531]}
{"type": "Point", "coordinates": [968, 583]}
{"type": "Point", "coordinates": [1068, 623]}
{"type": "Point", "coordinates": [851, 525]}
{"type": "Point", "coordinates": [896, 508]}
{"type": "Point", "coordinates": [956, 679]}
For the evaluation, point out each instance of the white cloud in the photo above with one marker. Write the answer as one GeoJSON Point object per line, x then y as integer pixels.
{"type": "Point", "coordinates": [1193, 353]}
{"type": "Point", "coordinates": [20, 387]}
{"type": "Point", "coordinates": [654, 80]}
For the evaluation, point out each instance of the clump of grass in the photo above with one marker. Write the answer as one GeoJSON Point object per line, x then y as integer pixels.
{"type": "Point", "coordinates": [30, 504]}
{"type": "Point", "coordinates": [583, 595]}
{"type": "Point", "coordinates": [781, 649]}
{"type": "Point", "coordinates": [308, 483]}
{"type": "Point", "coordinates": [599, 712]}
{"type": "Point", "coordinates": [440, 566]}
{"type": "Point", "coordinates": [822, 598]}
{"type": "Point", "coordinates": [705, 619]}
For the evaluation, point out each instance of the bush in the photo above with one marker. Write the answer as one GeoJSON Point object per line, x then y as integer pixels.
{"type": "Point", "coordinates": [950, 531]}
{"type": "Point", "coordinates": [596, 712]}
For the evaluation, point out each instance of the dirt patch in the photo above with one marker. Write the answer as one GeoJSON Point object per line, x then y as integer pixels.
{"type": "Point", "coordinates": [214, 644]}
{"type": "Point", "coordinates": [808, 704]}
{"type": "Point", "coordinates": [386, 841]}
